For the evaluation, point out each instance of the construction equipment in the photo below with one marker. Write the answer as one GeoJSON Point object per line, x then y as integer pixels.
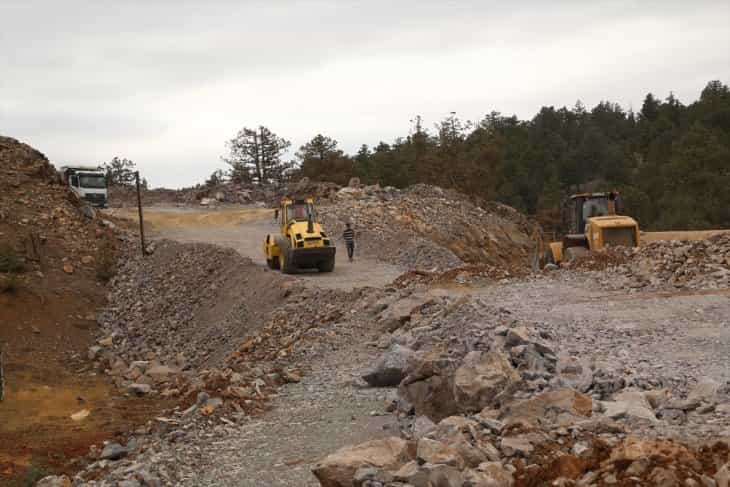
{"type": "Point", "coordinates": [301, 243]}
{"type": "Point", "coordinates": [86, 182]}
{"type": "Point", "coordinates": [593, 224]}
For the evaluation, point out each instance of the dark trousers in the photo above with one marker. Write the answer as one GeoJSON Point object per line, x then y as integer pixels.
{"type": "Point", "coordinates": [350, 249]}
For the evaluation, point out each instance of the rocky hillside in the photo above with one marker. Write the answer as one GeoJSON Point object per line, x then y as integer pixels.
{"type": "Point", "coordinates": [54, 260]}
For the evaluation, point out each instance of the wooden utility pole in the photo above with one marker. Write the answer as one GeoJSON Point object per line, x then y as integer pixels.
{"type": "Point", "coordinates": [141, 219]}
{"type": "Point", "coordinates": [2, 376]}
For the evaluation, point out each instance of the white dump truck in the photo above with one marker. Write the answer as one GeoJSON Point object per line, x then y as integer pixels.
{"type": "Point", "coordinates": [89, 183]}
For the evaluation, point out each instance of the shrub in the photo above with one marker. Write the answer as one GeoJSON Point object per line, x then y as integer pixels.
{"type": "Point", "coordinates": [106, 262]}
{"type": "Point", "coordinates": [10, 259]}
{"type": "Point", "coordinates": [31, 477]}
{"type": "Point", "coordinates": [9, 283]}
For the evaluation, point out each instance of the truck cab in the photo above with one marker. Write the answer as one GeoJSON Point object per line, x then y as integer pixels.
{"type": "Point", "coordinates": [88, 183]}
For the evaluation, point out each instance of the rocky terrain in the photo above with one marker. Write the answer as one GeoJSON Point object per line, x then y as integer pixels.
{"type": "Point", "coordinates": [421, 227]}
{"type": "Point", "coordinates": [222, 194]}
{"type": "Point", "coordinates": [467, 370]}
{"type": "Point", "coordinates": [488, 398]}
{"type": "Point", "coordinates": [473, 386]}
{"type": "Point", "coordinates": [428, 228]}
{"type": "Point", "coordinates": [55, 257]}
{"type": "Point", "coordinates": [673, 264]}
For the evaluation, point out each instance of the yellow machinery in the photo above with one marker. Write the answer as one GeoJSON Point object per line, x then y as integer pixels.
{"type": "Point", "coordinates": [593, 225]}
{"type": "Point", "coordinates": [301, 243]}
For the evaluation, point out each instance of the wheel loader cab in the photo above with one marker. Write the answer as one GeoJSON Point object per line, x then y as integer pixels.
{"type": "Point", "coordinates": [580, 207]}
{"type": "Point", "coordinates": [592, 224]}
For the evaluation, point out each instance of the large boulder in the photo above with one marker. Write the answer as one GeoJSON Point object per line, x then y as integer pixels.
{"type": "Point", "coordinates": [391, 367]}
{"type": "Point", "coordinates": [460, 434]}
{"type": "Point", "coordinates": [399, 312]}
{"type": "Point", "coordinates": [429, 386]}
{"type": "Point", "coordinates": [484, 379]}
{"type": "Point", "coordinates": [339, 468]}
{"type": "Point", "coordinates": [54, 481]}
{"type": "Point", "coordinates": [574, 373]}
{"type": "Point", "coordinates": [436, 452]}
{"type": "Point", "coordinates": [488, 474]}
{"type": "Point", "coordinates": [705, 390]}
{"type": "Point", "coordinates": [629, 405]}
{"type": "Point", "coordinates": [627, 410]}
{"type": "Point", "coordinates": [563, 406]}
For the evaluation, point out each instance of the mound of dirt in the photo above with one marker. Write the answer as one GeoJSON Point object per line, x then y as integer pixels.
{"type": "Point", "coordinates": [426, 227]}
{"type": "Point", "coordinates": [698, 264]}
{"type": "Point", "coordinates": [188, 305]}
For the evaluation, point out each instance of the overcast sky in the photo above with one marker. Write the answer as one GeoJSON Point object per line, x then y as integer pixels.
{"type": "Point", "coordinates": [166, 83]}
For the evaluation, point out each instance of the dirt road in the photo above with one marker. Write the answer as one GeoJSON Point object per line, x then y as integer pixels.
{"type": "Point", "coordinates": [244, 230]}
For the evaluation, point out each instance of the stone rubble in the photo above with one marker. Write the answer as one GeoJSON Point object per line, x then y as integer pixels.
{"type": "Point", "coordinates": [499, 402]}
{"type": "Point", "coordinates": [428, 228]}
{"type": "Point", "coordinates": [661, 265]}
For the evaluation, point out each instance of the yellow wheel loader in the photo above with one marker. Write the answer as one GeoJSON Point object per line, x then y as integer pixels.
{"type": "Point", "coordinates": [594, 224]}
{"type": "Point", "coordinates": [301, 242]}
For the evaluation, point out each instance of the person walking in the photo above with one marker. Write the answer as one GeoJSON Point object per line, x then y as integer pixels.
{"type": "Point", "coordinates": [349, 236]}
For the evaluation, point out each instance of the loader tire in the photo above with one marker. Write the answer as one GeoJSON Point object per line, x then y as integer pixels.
{"type": "Point", "coordinates": [327, 265]}
{"type": "Point", "coordinates": [549, 257]}
{"type": "Point", "coordinates": [572, 252]}
{"type": "Point", "coordinates": [285, 259]}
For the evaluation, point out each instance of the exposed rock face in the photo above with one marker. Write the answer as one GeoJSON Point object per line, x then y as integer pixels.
{"type": "Point", "coordinates": [429, 386]}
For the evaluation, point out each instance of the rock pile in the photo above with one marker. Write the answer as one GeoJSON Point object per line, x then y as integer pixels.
{"type": "Point", "coordinates": [175, 316]}
{"type": "Point", "coordinates": [466, 274]}
{"type": "Point", "coordinates": [485, 400]}
{"type": "Point", "coordinates": [224, 193]}
{"type": "Point", "coordinates": [186, 304]}
{"type": "Point", "coordinates": [426, 227]}
{"type": "Point", "coordinates": [699, 264]}
{"type": "Point", "coordinates": [674, 264]}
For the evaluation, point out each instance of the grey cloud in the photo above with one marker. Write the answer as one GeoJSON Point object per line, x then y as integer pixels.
{"type": "Point", "coordinates": [152, 73]}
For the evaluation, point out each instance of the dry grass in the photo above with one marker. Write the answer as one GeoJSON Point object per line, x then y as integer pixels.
{"type": "Point", "coordinates": [156, 219]}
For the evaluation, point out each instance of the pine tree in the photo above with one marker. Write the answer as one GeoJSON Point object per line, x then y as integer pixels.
{"type": "Point", "coordinates": [255, 156]}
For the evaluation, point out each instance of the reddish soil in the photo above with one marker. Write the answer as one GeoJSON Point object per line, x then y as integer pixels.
{"type": "Point", "coordinates": [48, 323]}
{"type": "Point", "coordinates": [45, 336]}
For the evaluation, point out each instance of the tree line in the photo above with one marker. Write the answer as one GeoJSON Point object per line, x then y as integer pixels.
{"type": "Point", "coordinates": [670, 161]}
{"type": "Point", "coordinates": [120, 171]}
